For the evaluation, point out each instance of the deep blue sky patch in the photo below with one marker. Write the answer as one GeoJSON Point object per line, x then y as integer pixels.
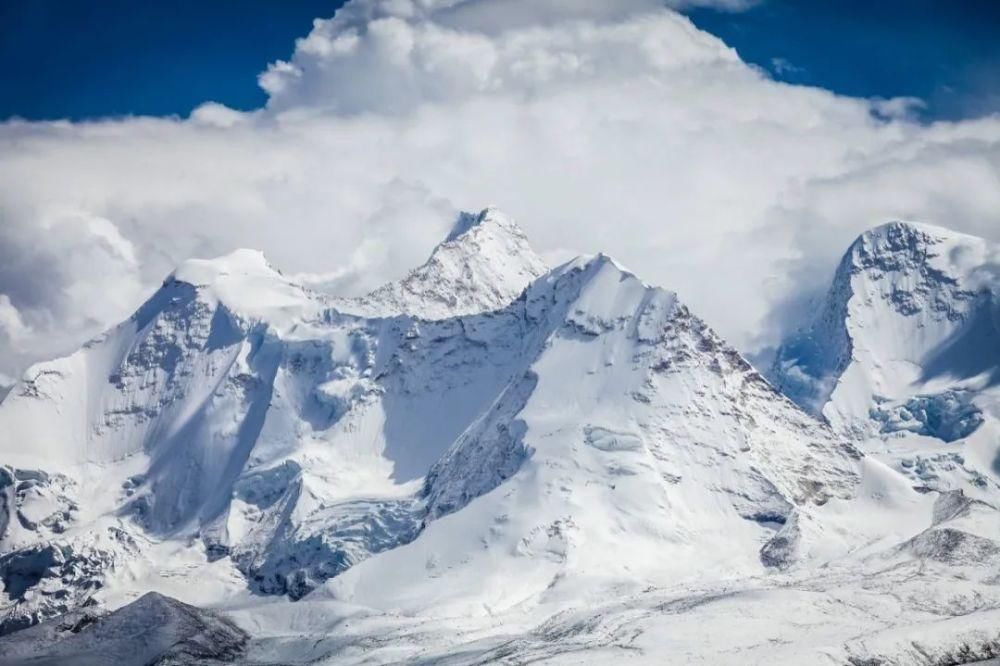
{"type": "Point", "coordinates": [90, 58]}
{"type": "Point", "coordinates": [945, 52]}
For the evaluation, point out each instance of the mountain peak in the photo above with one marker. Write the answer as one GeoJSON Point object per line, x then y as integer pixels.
{"type": "Point", "coordinates": [905, 228]}
{"type": "Point", "coordinates": [488, 217]}
{"type": "Point", "coordinates": [903, 239]}
{"type": "Point", "coordinates": [471, 228]}
{"type": "Point", "coordinates": [242, 262]}
{"type": "Point", "coordinates": [244, 281]}
{"type": "Point", "coordinates": [907, 298]}
{"type": "Point", "coordinates": [483, 264]}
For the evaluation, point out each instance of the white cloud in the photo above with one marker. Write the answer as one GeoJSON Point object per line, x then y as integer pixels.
{"type": "Point", "coordinates": [784, 67]}
{"type": "Point", "coordinates": [600, 125]}
{"type": "Point", "coordinates": [12, 326]}
{"type": "Point", "coordinates": [392, 64]}
{"type": "Point", "coordinates": [213, 114]}
{"type": "Point", "coordinates": [898, 107]}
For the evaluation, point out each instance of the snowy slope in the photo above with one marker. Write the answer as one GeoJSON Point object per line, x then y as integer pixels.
{"type": "Point", "coordinates": [919, 589]}
{"type": "Point", "coordinates": [522, 454]}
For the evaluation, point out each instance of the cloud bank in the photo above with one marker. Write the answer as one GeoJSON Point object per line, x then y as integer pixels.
{"type": "Point", "coordinates": [598, 124]}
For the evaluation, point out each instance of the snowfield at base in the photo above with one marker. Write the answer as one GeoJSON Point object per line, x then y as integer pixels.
{"type": "Point", "coordinates": [494, 461]}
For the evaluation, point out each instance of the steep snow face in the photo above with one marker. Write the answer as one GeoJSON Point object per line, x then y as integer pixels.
{"type": "Point", "coordinates": [483, 265]}
{"type": "Point", "coordinates": [109, 400]}
{"type": "Point", "coordinates": [910, 316]}
{"type": "Point", "coordinates": [175, 395]}
{"type": "Point", "coordinates": [145, 429]}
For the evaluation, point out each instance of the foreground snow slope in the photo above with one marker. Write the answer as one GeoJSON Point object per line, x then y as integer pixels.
{"type": "Point", "coordinates": [485, 459]}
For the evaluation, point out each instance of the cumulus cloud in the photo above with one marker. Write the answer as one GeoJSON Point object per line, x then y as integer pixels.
{"type": "Point", "coordinates": [599, 124]}
{"type": "Point", "coordinates": [392, 63]}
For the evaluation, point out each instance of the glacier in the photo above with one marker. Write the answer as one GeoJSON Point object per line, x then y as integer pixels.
{"type": "Point", "coordinates": [493, 460]}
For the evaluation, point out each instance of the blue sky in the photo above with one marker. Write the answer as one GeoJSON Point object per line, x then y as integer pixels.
{"type": "Point", "coordinates": [944, 53]}
{"type": "Point", "coordinates": [118, 57]}
{"type": "Point", "coordinates": [84, 59]}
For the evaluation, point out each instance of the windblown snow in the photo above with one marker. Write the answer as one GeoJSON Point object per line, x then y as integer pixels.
{"type": "Point", "coordinates": [492, 460]}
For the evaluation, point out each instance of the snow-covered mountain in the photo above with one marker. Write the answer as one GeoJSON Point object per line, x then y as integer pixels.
{"type": "Point", "coordinates": [242, 409]}
{"type": "Point", "coordinates": [626, 418]}
{"type": "Point", "coordinates": [479, 453]}
{"type": "Point", "coordinates": [905, 351]}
